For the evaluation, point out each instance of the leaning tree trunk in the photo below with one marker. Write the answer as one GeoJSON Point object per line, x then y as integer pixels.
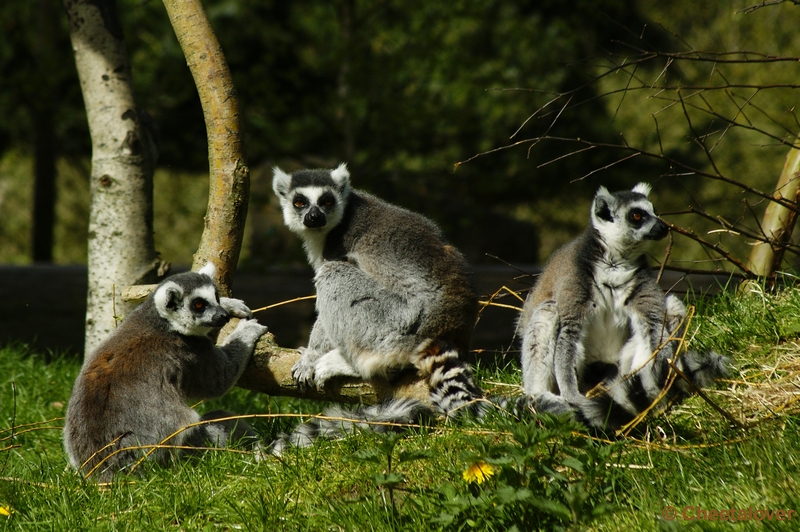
{"type": "Point", "coordinates": [229, 176]}
{"type": "Point", "coordinates": [121, 251]}
{"type": "Point", "coordinates": [778, 223]}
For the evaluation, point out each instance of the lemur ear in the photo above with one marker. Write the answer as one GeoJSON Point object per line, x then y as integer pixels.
{"type": "Point", "coordinates": [167, 297]}
{"type": "Point", "coordinates": [341, 176]}
{"type": "Point", "coordinates": [209, 270]}
{"type": "Point", "coordinates": [642, 188]}
{"type": "Point", "coordinates": [602, 205]}
{"type": "Point", "coordinates": [280, 182]}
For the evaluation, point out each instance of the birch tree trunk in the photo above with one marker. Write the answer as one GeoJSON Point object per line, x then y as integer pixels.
{"type": "Point", "coordinates": [229, 176]}
{"type": "Point", "coordinates": [121, 250]}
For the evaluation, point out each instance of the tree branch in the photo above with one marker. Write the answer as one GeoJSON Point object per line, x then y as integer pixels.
{"type": "Point", "coordinates": [270, 372]}
{"type": "Point", "coordinates": [228, 173]}
{"type": "Point", "coordinates": [714, 247]}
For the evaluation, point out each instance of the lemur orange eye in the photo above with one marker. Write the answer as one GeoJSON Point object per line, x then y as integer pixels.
{"type": "Point", "coordinates": [327, 200]}
{"type": "Point", "coordinates": [199, 304]}
{"type": "Point", "coordinates": [637, 216]}
{"type": "Point", "coordinates": [299, 203]}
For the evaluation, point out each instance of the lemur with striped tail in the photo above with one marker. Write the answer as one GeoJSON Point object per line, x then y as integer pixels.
{"type": "Point", "coordinates": [392, 295]}
{"type": "Point", "coordinates": [598, 317]}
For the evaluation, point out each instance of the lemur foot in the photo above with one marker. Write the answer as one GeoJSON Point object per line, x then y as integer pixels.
{"type": "Point", "coordinates": [303, 371]}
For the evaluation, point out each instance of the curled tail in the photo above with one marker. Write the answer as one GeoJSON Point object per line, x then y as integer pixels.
{"type": "Point", "coordinates": [623, 399]}
{"type": "Point", "coordinates": [453, 393]}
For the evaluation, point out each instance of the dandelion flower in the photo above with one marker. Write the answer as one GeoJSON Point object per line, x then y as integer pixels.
{"type": "Point", "coordinates": [5, 510]}
{"type": "Point", "coordinates": [478, 472]}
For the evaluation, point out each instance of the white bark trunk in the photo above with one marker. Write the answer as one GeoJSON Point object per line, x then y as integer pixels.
{"type": "Point", "coordinates": [121, 251]}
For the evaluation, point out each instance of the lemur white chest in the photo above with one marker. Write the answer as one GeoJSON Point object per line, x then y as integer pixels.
{"type": "Point", "coordinates": [608, 325]}
{"type": "Point", "coordinates": [314, 245]}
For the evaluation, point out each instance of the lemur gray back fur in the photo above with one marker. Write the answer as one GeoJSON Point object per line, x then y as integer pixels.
{"type": "Point", "coordinates": [133, 390]}
{"type": "Point", "coordinates": [597, 315]}
{"type": "Point", "coordinates": [392, 294]}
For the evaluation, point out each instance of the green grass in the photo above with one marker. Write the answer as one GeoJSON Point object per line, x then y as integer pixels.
{"type": "Point", "coordinates": [546, 475]}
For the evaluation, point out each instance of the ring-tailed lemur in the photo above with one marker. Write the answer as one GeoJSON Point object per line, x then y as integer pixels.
{"type": "Point", "coordinates": [598, 316]}
{"type": "Point", "coordinates": [391, 295]}
{"type": "Point", "coordinates": [133, 390]}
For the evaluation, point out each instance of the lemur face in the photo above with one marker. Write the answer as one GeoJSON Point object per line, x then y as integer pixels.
{"type": "Point", "coordinates": [190, 303]}
{"type": "Point", "coordinates": [312, 200]}
{"type": "Point", "coordinates": [644, 224]}
{"type": "Point", "coordinates": [625, 220]}
{"type": "Point", "coordinates": [313, 207]}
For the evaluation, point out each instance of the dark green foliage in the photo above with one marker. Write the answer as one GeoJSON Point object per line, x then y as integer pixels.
{"type": "Point", "coordinates": [38, 70]}
{"type": "Point", "coordinates": [404, 90]}
{"type": "Point", "coordinates": [400, 90]}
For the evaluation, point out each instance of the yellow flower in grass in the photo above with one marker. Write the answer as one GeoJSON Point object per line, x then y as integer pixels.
{"type": "Point", "coordinates": [5, 510]}
{"type": "Point", "coordinates": [478, 472]}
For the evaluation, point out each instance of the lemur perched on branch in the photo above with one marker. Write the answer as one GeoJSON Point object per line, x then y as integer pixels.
{"type": "Point", "coordinates": [392, 294]}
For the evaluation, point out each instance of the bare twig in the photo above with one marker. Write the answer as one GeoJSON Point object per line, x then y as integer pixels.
{"type": "Point", "coordinates": [765, 3]}
{"type": "Point", "coordinates": [715, 247]}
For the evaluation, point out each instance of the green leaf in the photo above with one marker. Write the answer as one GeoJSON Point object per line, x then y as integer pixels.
{"type": "Point", "coordinates": [509, 494]}
{"type": "Point", "coordinates": [388, 442]}
{"type": "Point", "coordinates": [603, 509]}
{"type": "Point", "coordinates": [369, 455]}
{"type": "Point", "coordinates": [552, 507]}
{"type": "Point", "coordinates": [576, 496]}
{"type": "Point", "coordinates": [573, 463]}
{"type": "Point", "coordinates": [554, 474]}
{"type": "Point", "coordinates": [389, 480]}
{"type": "Point", "coordinates": [444, 518]}
{"type": "Point", "coordinates": [500, 461]}
{"type": "Point", "coordinates": [409, 456]}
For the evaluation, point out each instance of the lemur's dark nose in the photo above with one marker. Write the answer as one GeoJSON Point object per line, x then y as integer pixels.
{"type": "Point", "coordinates": [220, 317]}
{"type": "Point", "coordinates": [658, 231]}
{"type": "Point", "coordinates": [314, 218]}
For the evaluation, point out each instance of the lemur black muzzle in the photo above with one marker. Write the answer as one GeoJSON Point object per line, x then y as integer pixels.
{"type": "Point", "coordinates": [220, 318]}
{"type": "Point", "coordinates": [314, 218]}
{"type": "Point", "coordinates": [658, 231]}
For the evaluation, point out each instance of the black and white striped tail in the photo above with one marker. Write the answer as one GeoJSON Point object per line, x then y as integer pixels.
{"type": "Point", "coordinates": [453, 393]}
